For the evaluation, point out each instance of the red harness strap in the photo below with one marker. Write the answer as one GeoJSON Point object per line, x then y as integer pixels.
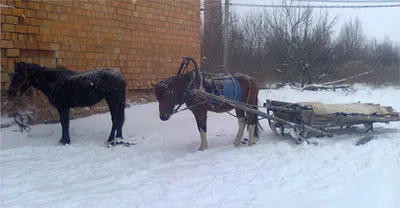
{"type": "Point", "coordinates": [26, 79]}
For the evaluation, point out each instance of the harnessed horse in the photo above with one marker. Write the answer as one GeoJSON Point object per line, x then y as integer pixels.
{"type": "Point", "coordinates": [176, 91]}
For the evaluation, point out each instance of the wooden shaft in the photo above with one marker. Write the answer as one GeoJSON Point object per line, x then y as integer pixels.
{"type": "Point", "coordinates": [260, 113]}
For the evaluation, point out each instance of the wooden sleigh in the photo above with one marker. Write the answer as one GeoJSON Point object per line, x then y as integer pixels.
{"type": "Point", "coordinates": [323, 116]}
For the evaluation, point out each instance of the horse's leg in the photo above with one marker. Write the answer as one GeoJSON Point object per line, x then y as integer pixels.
{"type": "Point", "coordinates": [120, 116]}
{"type": "Point", "coordinates": [251, 117]}
{"type": "Point", "coordinates": [64, 120]}
{"type": "Point", "coordinates": [252, 122]}
{"type": "Point", "coordinates": [201, 120]}
{"type": "Point", "coordinates": [112, 107]}
{"type": "Point", "coordinates": [242, 125]}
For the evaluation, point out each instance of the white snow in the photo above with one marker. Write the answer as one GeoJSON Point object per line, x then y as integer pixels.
{"type": "Point", "coordinates": [164, 168]}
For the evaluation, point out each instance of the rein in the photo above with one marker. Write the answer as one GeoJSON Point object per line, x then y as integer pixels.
{"type": "Point", "coordinates": [26, 81]}
{"type": "Point", "coordinates": [187, 91]}
{"type": "Point", "coordinates": [182, 69]}
{"type": "Point", "coordinates": [19, 120]}
{"type": "Point", "coordinates": [176, 110]}
{"type": "Point", "coordinates": [21, 123]}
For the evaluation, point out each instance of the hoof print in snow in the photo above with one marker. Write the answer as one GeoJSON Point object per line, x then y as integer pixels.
{"type": "Point", "coordinates": [120, 143]}
{"type": "Point", "coordinates": [312, 143]}
{"type": "Point", "coordinates": [245, 140]}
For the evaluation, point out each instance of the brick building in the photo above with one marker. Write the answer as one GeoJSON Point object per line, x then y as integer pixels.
{"type": "Point", "coordinates": [143, 39]}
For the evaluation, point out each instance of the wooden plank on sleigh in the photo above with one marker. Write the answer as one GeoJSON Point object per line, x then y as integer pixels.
{"type": "Point", "coordinates": [308, 116]}
{"type": "Point", "coordinates": [360, 118]}
{"type": "Point", "coordinates": [278, 103]}
{"type": "Point", "coordinates": [394, 114]}
{"type": "Point", "coordinates": [282, 109]}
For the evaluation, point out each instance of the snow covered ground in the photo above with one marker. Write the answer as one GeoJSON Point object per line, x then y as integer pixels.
{"type": "Point", "coordinates": [164, 168]}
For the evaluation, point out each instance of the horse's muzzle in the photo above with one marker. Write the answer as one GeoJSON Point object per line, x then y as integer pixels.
{"type": "Point", "coordinates": [13, 94]}
{"type": "Point", "coordinates": [164, 117]}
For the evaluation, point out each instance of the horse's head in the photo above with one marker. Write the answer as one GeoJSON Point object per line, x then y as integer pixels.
{"type": "Point", "coordinates": [174, 91]}
{"type": "Point", "coordinates": [167, 98]}
{"type": "Point", "coordinates": [19, 79]}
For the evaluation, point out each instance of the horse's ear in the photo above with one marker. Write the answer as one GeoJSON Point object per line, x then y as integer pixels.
{"type": "Point", "coordinates": [164, 85]}
{"type": "Point", "coordinates": [17, 66]}
{"type": "Point", "coordinates": [11, 74]}
{"type": "Point", "coordinates": [20, 67]}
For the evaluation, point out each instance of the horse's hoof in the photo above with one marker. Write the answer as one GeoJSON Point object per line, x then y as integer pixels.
{"type": "Point", "coordinates": [64, 142]}
{"type": "Point", "coordinates": [202, 148]}
{"type": "Point", "coordinates": [236, 144]}
{"type": "Point", "coordinates": [118, 139]}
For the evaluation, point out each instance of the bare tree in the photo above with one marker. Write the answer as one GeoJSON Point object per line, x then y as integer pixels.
{"type": "Point", "coordinates": [301, 42]}
{"type": "Point", "coordinates": [296, 45]}
{"type": "Point", "coordinates": [351, 39]}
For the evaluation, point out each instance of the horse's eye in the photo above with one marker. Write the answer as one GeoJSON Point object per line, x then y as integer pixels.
{"type": "Point", "coordinates": [170, 93]}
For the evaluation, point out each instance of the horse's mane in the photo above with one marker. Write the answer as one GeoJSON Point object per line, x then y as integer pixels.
{"type": "Point", "coordinates": [60, 67]}
{"type": "Point", "coordinates": [183, 76]}
{"type": "Point", "coordinates": [57, 69]}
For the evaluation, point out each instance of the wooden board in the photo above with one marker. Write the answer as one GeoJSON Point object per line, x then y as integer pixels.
{"type": "Point", "coordinates": [332, 114]}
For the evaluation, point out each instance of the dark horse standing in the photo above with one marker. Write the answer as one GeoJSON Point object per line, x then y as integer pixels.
{"type": "Point", "coordinates": [176, 91]}
{"type": "Point", "coordinates": [67, 89]}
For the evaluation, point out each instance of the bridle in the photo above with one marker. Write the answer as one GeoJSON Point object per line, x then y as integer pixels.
{"type": "Point", "coordinates": [170, 93]}
{"type": "Point", "coordinates": [187, 93]}
{"type": "Point", "coordinates": [25, 82]}
{"type": "Point", "coordinates": [20, 120]}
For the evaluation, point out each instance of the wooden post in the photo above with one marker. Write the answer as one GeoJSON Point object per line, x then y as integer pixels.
{"type": "Point", "coordinates": [226, 34]}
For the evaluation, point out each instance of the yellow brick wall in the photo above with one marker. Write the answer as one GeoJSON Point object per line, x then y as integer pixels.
{"type": "Point", "coordinates": [144, 39]}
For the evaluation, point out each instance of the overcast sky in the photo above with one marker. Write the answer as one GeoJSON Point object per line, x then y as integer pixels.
{"type": "Point", "coordinates": [376, 22]}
